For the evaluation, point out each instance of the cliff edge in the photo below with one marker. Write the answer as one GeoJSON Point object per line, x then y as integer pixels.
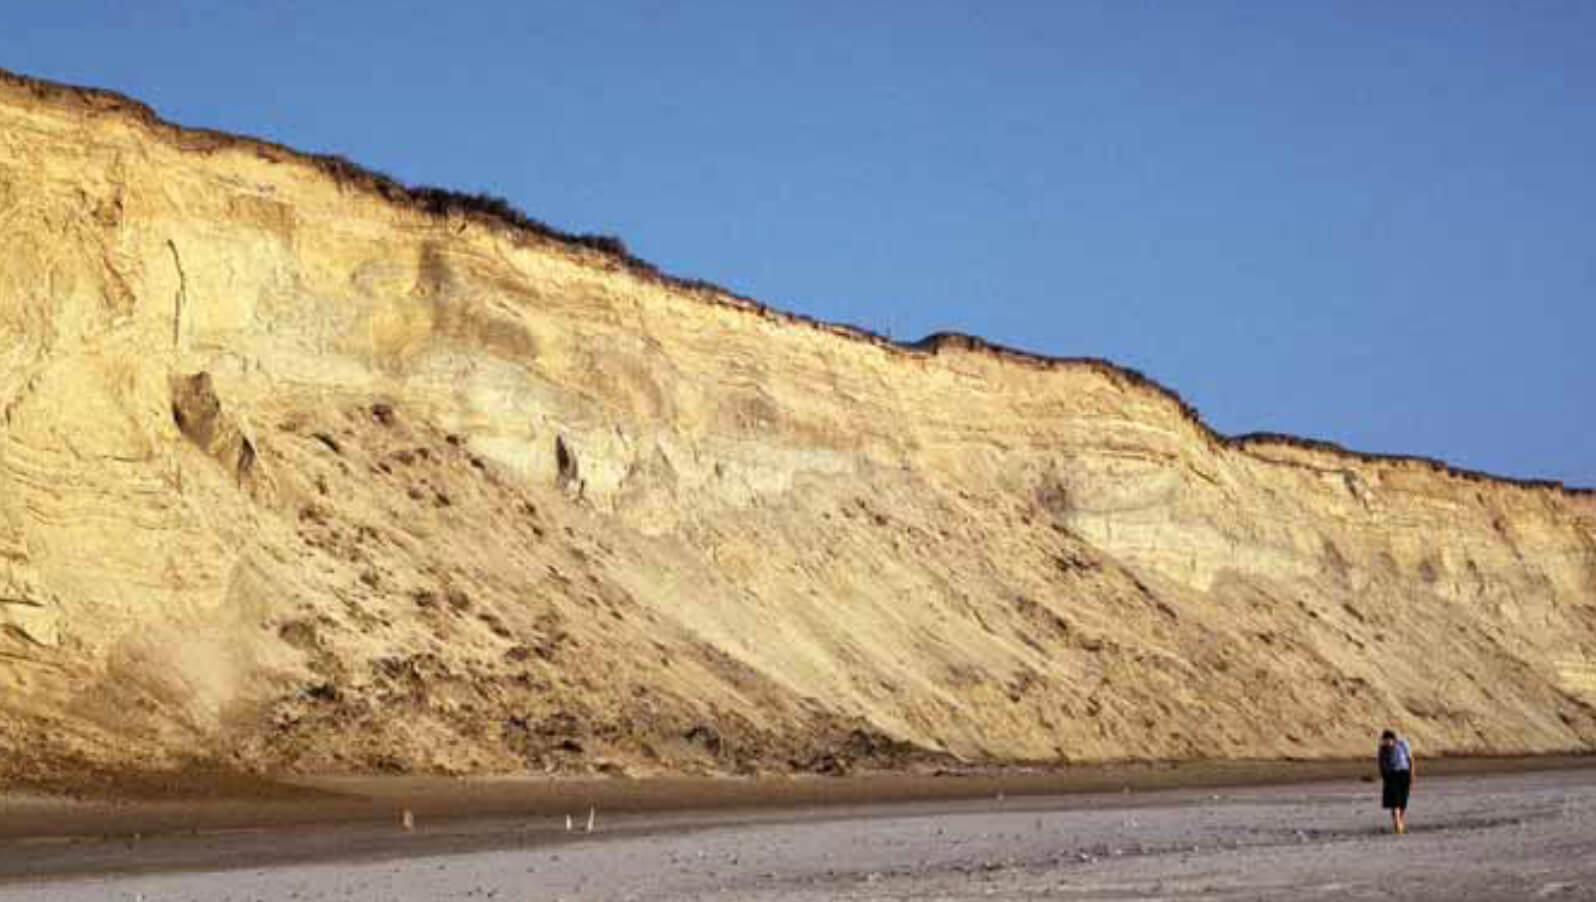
{"type": "Point", "coordinates": [305, 470]}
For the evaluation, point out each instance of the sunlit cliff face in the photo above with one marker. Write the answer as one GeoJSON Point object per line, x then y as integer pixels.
{"type": "Point", "coordinates": [300, 470]}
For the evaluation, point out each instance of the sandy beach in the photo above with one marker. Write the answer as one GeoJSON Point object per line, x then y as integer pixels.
{"type": "Point", "coordinates": [1484, 836]}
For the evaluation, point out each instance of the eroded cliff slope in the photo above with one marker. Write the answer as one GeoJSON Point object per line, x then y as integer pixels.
{"type": "Point", "coordinates": [300, 470]}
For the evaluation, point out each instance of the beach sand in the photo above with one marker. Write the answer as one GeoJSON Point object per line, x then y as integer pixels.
{"type": "Point", "coordinates": [1528, 834]}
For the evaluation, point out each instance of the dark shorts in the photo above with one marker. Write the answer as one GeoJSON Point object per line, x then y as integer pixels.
{"type": "Point", "coordinates": [1394, 791]}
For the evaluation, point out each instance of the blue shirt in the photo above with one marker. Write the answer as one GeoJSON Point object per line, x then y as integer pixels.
{"type": "Point", "coordinates": [1395, 757]}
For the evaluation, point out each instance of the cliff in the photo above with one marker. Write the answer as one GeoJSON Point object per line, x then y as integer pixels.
{"type": "Point", "coordinates": [304, 470]}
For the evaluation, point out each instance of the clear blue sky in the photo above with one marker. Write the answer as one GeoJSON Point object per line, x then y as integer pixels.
{"type": "Point", "coordinates": [1372, 223]}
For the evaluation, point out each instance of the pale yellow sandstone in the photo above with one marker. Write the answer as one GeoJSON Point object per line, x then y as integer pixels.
{"type": "Point", "coordinates": [297, 477]}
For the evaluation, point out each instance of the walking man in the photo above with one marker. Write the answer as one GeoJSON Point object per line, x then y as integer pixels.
{"type": "Point", "coordinates": [1396, 778]}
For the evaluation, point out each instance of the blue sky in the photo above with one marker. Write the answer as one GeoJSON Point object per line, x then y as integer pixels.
{"type": "Point", "coordinates": [1371, 223]}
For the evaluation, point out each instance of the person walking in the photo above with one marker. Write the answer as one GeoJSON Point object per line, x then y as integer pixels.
{"type": "Point", "coordinates": [1396, 778]}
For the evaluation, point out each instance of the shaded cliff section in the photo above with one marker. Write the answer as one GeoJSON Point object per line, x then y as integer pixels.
{"type": "Point", "coordinates": [305, 470]}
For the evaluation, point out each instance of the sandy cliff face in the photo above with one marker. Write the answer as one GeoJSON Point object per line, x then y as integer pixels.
{"type": "Point", "coordinates": [297, 475]}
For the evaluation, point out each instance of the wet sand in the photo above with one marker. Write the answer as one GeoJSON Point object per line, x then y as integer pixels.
{"type": "Point", "coordinates": [1527, 834]}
